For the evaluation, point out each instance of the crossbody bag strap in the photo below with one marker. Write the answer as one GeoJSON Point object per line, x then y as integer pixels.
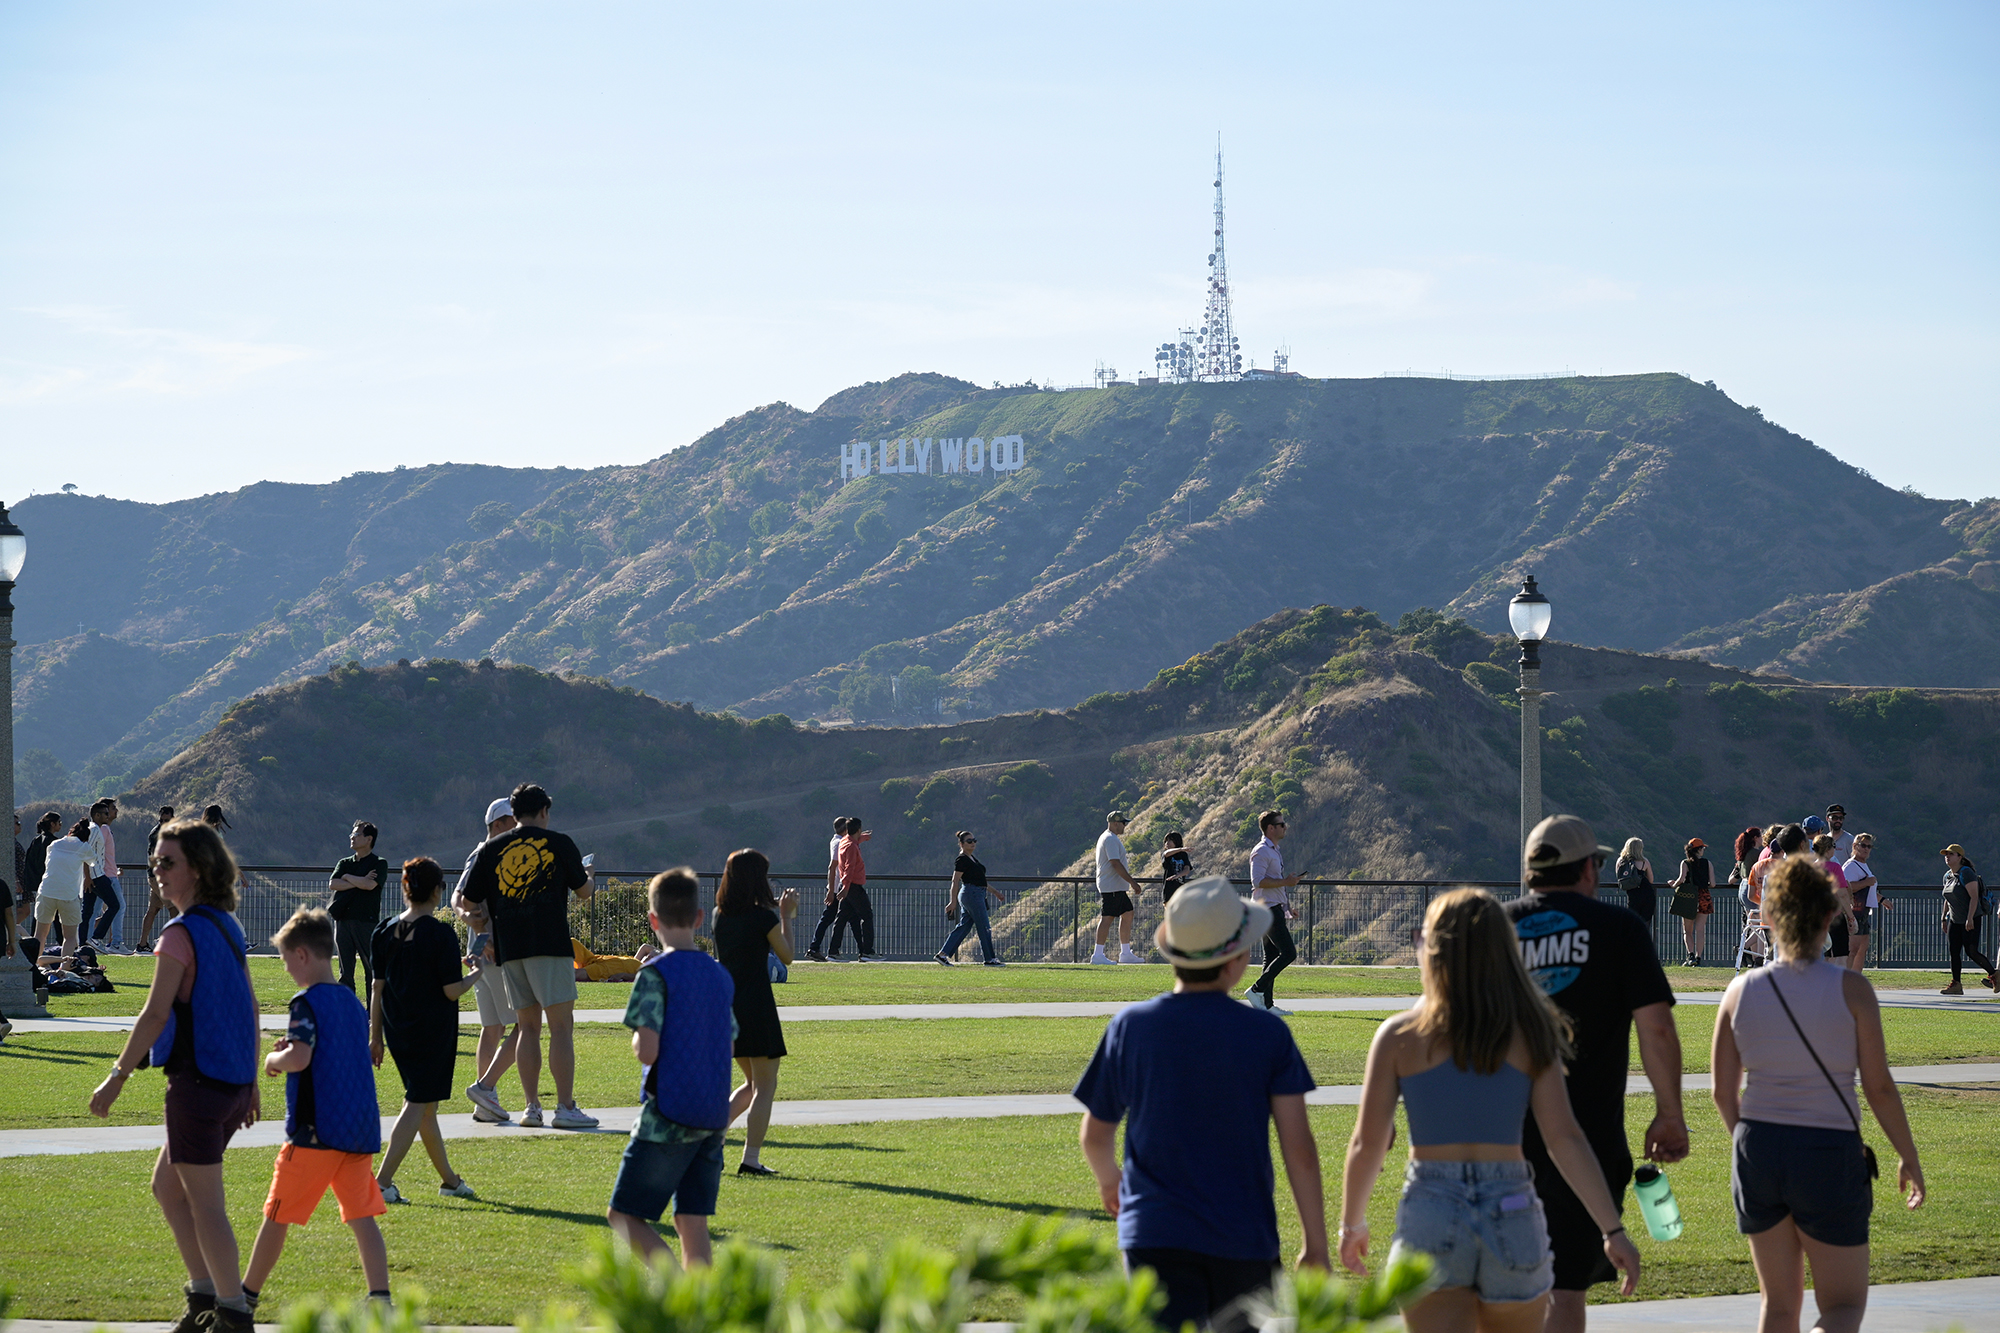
{"type": "Point", "coordinates": [1831, 1082]}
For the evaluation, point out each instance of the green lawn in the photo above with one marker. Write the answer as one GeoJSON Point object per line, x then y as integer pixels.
{"type": "Point", "coordinates": [846, 1187]}
{"type": "Point", "coordinates": [872, 1058]}
{"type": "Point", "coordinates": [900, 983]}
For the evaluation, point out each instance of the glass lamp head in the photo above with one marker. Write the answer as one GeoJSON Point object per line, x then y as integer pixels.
{"type": "Point", "coordinates": [13, 548]}
{"type": "Point", "coordinates": [1529, 613]}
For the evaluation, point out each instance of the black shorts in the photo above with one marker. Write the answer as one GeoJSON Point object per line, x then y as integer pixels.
{"type": "Point", "coordinates": [1817, 1177]}
{"type": "Point", "coordinates": [1863, 919]}
{"type": "Point", "coordinates": [1836, 937]}
{"type": "Point", "coordinates": [1574, 1237]}
{"type": "Point", "coordinates": [1114, 904]}
{"type": "Point", "coordinates": [203, 1114]}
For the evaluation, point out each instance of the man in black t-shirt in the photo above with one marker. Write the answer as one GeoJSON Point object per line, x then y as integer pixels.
{"type": "Point", "coordinates": [357, 905]}
{"type": "Point", "coordinates": [1597, 962]}
{"type": "Point", "coordinates": [525, 877]}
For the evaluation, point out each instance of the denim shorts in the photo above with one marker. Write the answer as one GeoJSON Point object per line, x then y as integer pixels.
{"type": "Point", "coordinates": [650, 1175]}
{"type": "Point", "coordinates": [1482, 1225]}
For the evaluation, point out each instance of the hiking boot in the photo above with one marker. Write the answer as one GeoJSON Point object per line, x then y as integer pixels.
{"type": "Point", "coordinates": [198, 1305]}
{"type": "Point", "coordinates": [224, 1319]}
{"type": "Point", "coordinates": [1953, 989]}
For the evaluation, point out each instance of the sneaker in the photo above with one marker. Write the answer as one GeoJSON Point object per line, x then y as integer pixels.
{"type": "Point", "coordinates": [6, 1028]}
{"type": "Point", "coordinates": [816, 955]}
{"type": "Point", "coordinates": [1097, 956]}
{"type": "Point", "coordinates": [994, 962]}
{"type": "Point", "coordinates": [487, 1100]}
{"type": "Point", "coordinates": [943, 961]}
{"type": "Point", "coordinates": [869, 958]}
{"type": "Point", "coordinates": [1992, 982]}
{"type": "Point", "coordinates": [250, 1298]}
{"type": "Point", "coordinates": [1274, 1009]}
{"type": "Point", "coordinates": [198, 1306]}
{"type": "Point", "coordinates": [1125, 955]}
{"type": "Point", "coordinates": [1953, 989]}
{"type": "Point", "coordinates": [1256, 999]}
{"type": "Point", "coordinates": [390, 1194]}
{"type": "Point", "coordinates": [1696, 962]}
{"type": "Point", "coordinates": [145, 946]}
{"type": "Point", "coordinates": [462, 1190]}
{"type": "Point", "coordinates": [486, 1117]}
{"type": "Point", "coordinates": [224, 1319]}
{"type": "Point", "coordinates": [569, 1117]}
{"type": "Point", "coordinates": [531, 1116]}
{"type": "Point", "coordinates": [754, 1169]}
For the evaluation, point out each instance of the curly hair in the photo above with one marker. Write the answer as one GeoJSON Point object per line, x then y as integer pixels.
{"type": "Point", "coordinates": [1798, 901]}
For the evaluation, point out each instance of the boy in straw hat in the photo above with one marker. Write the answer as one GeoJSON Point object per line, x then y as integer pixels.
{"type": "Point", "coordinates": [1202, 1077]}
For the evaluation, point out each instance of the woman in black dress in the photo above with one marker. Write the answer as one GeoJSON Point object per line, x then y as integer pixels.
{"type": "Point", "coordinates": [750, 926]}
{"type": "Point", "coordinates": [414, 1015]}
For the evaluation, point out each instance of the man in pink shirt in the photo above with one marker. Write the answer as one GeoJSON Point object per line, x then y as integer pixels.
{"type": "Point", "coordinates": [855, 909]}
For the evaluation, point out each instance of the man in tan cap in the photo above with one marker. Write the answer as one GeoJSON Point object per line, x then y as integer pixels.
{"type": "Point", "coordinates": [1202, 1077]}
{"type": "Point", "coordinates": [1599, 965]}
{"type": "Point", "coordinates": [1964, 894]}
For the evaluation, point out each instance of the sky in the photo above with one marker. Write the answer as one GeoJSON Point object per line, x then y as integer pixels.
{"type": "Point", "coordinates": [244, 242]}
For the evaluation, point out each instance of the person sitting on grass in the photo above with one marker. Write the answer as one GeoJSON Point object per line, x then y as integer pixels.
{"type": "Point", "coordinates": [332, 1131]}
{"type": "Point", "coordinates": [675, 1153]}
{"type": "Point", "coordinates": [608, 966]}
{"type": "Point", "coordinates": [1202, 1078]}
{"type": "Point", "coordinates": [414, 1014]}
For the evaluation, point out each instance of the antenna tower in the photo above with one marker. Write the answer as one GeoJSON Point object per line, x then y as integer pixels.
{"type": "Point", "coordinates": [1217, 356]}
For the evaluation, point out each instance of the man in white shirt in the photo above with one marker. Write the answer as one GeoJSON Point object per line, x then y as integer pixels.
{"type": "Point", "coordinates": [1115, 887]}
{"type": "Point", "coordinates": [1861, 883]}
{"type": "Point", "coordinates": [1268, 883]}
{"type": "Point", "coordinates": [103, 886]}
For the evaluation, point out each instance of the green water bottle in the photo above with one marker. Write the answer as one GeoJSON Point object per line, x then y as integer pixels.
{"type": "Point", "coordinates": [1656, 1202]}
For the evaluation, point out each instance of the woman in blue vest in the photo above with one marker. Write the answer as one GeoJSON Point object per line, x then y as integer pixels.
{"type": "Point", "coordinates": [200, 1026]}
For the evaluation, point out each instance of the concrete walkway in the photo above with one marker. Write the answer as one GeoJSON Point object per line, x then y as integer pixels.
{"type": "Point", "coordinates": [1971, 1304]}
{"type": "Point", "coordinates": [66, 1142]}
{"type": "Point", "coordinates": [849, 1013]}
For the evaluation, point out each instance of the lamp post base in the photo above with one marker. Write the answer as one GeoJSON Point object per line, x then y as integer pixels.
{"type": "Point", "coordinates": [17, 988]}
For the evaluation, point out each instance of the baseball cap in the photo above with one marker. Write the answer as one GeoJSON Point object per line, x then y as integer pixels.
{"type": "Point", "coordinates": [1836, 809]}
{"type": "Point", "coordinates": [1208, 924]}
{"type": "Point", "coordinates": [500, 809]}
{"type": "Point", "coordinates": [1557, 841]}
{"type": "Point", "coordinates": [1955, 850]}
{"type": "Point", "coordinates": [1814, 825]}
{"type": "Point", "coordinates": [1116, 817]}
{"type": "Point", "coordinates": [1697, 842]}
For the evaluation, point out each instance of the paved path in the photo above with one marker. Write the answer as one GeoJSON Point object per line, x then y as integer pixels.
{"type": "Point", "coordinates": [1968, 1303]}
{"type": "Point", "coordinates": [65, 1142]}
{"type": "Point", "coordinates": [847, 1013]}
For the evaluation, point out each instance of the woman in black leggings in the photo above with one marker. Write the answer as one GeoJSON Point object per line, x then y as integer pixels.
{"type": "Point", "coordinates": [1963, 892]}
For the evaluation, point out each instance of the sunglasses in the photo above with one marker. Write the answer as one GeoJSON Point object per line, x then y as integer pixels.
{"type": "Point", "coordinates": [968, 840]}
{"type": "Point", "coordinates": [163, 863]}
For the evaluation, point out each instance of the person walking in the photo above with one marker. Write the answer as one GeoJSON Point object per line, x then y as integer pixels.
{"type": "Point", "coordinates": [47, 830]}
{"type": "Point", "coordinates": [751, 925]}
{"type": "Point", "coordinates": [856, 911]}
{"type": "Point", "coordinates": [356, 906]}
{"type": "Point", "coordinates": [1964, 893]}
{"type": "Point", "coordinates": [1862, 883]}
{"type": "Point", "coordinates": [1789, 1039]}
{"type": "Point", "coordinates": [103, 886]}
{"type": "Point", "coordinates": [66, 868]}
{"type": "Point", "coordinates": [1481, 1052]}
{"type": "Point", "coordinates": [199, 1024]}
{"type": "Point", "coordinates": [413, 1015]}
{"type": "Point", "coordinates": [1115, 887]}
{"type": "Point", "coordinates": [829, 914]}
{"type": "Point", "coordinates": [966, 903]}
{"type": "Point", "coordinates": [526, 877]}
{"type": "Point", "coordinates": [1598, 964]}
{"type": "Point", "coordinates": [155, 903]}
{"type": "Point", "coordinates": [1635, 876]}
{"type": "Point", "coordinates": [1176, 866]}
{"type": "Point", "coordinates": [1268, 885]}
{"type": "Point", "coordinates": [1694, 900]}
{"type": "Point", "coordinates": [497, 1042]}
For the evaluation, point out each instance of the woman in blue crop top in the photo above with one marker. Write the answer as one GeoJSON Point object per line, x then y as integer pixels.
{"type": "Point", "coordinates": [1468, 1072]}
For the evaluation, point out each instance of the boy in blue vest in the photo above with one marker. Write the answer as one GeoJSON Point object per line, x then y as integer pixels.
{"type": "Point", "coordinates": [333, 1127]}
{"type": "Point", "coordinates": [683, 1029]}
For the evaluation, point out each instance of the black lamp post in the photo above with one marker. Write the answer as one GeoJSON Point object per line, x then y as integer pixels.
{"type": "Point", "coordinates": [16, 988]}
{"type": "Point", "coordinates": [1528, 614]}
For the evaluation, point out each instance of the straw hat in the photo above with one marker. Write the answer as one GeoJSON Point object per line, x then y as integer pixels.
{"type": "Point", "coordinates": [1207, 924]}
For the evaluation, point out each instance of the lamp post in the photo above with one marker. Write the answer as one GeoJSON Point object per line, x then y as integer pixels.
{"type": "Point", "coordinates": [1528, 614]}
{"type": "Point", "coordinates": [17, 994]}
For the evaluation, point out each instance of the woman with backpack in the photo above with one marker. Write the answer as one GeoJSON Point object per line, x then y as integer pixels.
{"type": "Point", "coordinates": [1635, 876]}
{"type": "Point", "coordinates": [1694, 901]}
{"type": "Point", "coordinates": [200, 1026]}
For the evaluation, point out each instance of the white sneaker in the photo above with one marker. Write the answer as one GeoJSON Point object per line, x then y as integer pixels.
{"type": "Point", "coordinates": [569, 1117]}
{"type": "Point", "coordinates": [531, 1116]}
{"type": "Point", "coordinates": [1255, 999]}
{"type": "Point", "coordinates": [390, 1194]}
{"type": "Point", "coordinates": [486, 1117]}
{"type": "Point", "coordinates": [462, 1190]}
{"type": "Point", "coordinates": [1274, 1009]}
{"type": "Point", "coordinates": [487, 1100]}
{"type": "Point", "coordinates": [1097, 956]}
{"type": "Point", "coordinates": [1125, 955]}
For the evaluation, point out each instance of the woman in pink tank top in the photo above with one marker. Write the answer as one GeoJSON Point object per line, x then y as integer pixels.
{"type": "Point", "coordinates": [1789, 1039]}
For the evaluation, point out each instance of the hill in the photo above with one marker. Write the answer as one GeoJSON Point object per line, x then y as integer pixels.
{"type": "Point", "coordinates": [743, 571]}
{"type": "Point", "coordinates": [1394, 747]}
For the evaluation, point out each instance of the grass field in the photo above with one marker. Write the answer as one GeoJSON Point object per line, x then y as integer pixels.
{"type": "Point", "coordinates": [845, 1187]}
{"type": "Point", "coordinates": [899, 983]}
{"type": "Point", "coordinates": [50, 1076]}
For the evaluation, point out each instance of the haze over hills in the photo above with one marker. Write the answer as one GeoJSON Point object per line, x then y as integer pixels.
{"type": "Point", "coordinates": [1146, 521]}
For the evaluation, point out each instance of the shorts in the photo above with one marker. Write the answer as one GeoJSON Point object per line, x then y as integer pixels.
{"type": "Point", "coordinates": [156, 901]}
{"type": "Point", "coordinates": [1864, 917]}
{"type": "Point", "coordinates": [1114, 904]}
{"type": "Point", "coordinates": [1817, 1177]}
{"type": "Point", "coordinates": [489, 988]}
{"type": "Point", "coordinates": [540, 981]}
{"type": "Point", "coordinates": [202, 1116]}
{"type": "Point", "coordinates": [1574, 1238]}
{"type": "Point", "coordinates": [1836, 937]}
{"type": "Point", "coordinates": [301, 1177]}
{"type": "Point", "coordinates": [1482, 1225]}
{"type": "Point", "coordinates": [66, 910]}
{"type": "Point", "coordinates": [688, 1173]}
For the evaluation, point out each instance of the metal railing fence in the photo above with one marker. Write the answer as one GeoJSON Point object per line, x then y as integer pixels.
{"type": "Point", "coordinates": [1054, 918]}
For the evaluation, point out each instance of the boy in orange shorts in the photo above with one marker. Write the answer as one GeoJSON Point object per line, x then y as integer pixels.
{"type": "Point", "coordinates": [333, 1128]}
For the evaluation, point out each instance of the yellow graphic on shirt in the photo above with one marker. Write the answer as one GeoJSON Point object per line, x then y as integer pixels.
{"type": "Point", "coordinates": [523, 867]}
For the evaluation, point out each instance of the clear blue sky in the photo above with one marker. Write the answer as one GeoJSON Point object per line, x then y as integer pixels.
{"type": "Point", "coordinates": [293, 241]}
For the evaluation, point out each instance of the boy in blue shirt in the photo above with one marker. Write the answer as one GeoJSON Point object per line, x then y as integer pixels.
{"type": "Point", "coordinates": [675, 1153]}
{"type": "Point", "coordinates": [333, 1126]}
{"type": "Point", "coordinates": [1203, 1078]}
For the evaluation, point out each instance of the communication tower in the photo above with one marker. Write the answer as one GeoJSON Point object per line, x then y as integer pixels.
{"type": "Point", "coordinates": [1212, 351]}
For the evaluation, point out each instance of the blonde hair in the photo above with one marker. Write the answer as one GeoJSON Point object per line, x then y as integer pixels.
{"type": "Point", "coordinates": [308, 928]}
{"type": "Point", "coordinates": [1798, 899]}
{"type": "Point", "coordinates": [1635, 850]}
{"type": "Point", "coordinates": [215, 872]}
{"type": "Point", "coordinates": [1822, 844]}
{"type": "Point", "coordinates": [1477, 991]}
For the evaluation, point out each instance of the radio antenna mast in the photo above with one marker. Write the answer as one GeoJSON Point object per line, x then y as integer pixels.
{"type": "Point", "coordinates": [1216, 355]}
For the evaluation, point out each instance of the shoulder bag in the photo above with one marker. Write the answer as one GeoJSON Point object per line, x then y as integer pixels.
{"type": "Point", "coordinates": [1867, 1153]}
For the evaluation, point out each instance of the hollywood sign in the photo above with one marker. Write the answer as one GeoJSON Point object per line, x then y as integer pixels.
{"type": "Point", "coordinates": [1004, 453]}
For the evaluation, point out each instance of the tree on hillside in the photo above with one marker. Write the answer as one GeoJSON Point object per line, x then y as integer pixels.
{"type": "Point", "coordinates": [40, 776]}
{"type": "Point", "coordinates": [866, 696]}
